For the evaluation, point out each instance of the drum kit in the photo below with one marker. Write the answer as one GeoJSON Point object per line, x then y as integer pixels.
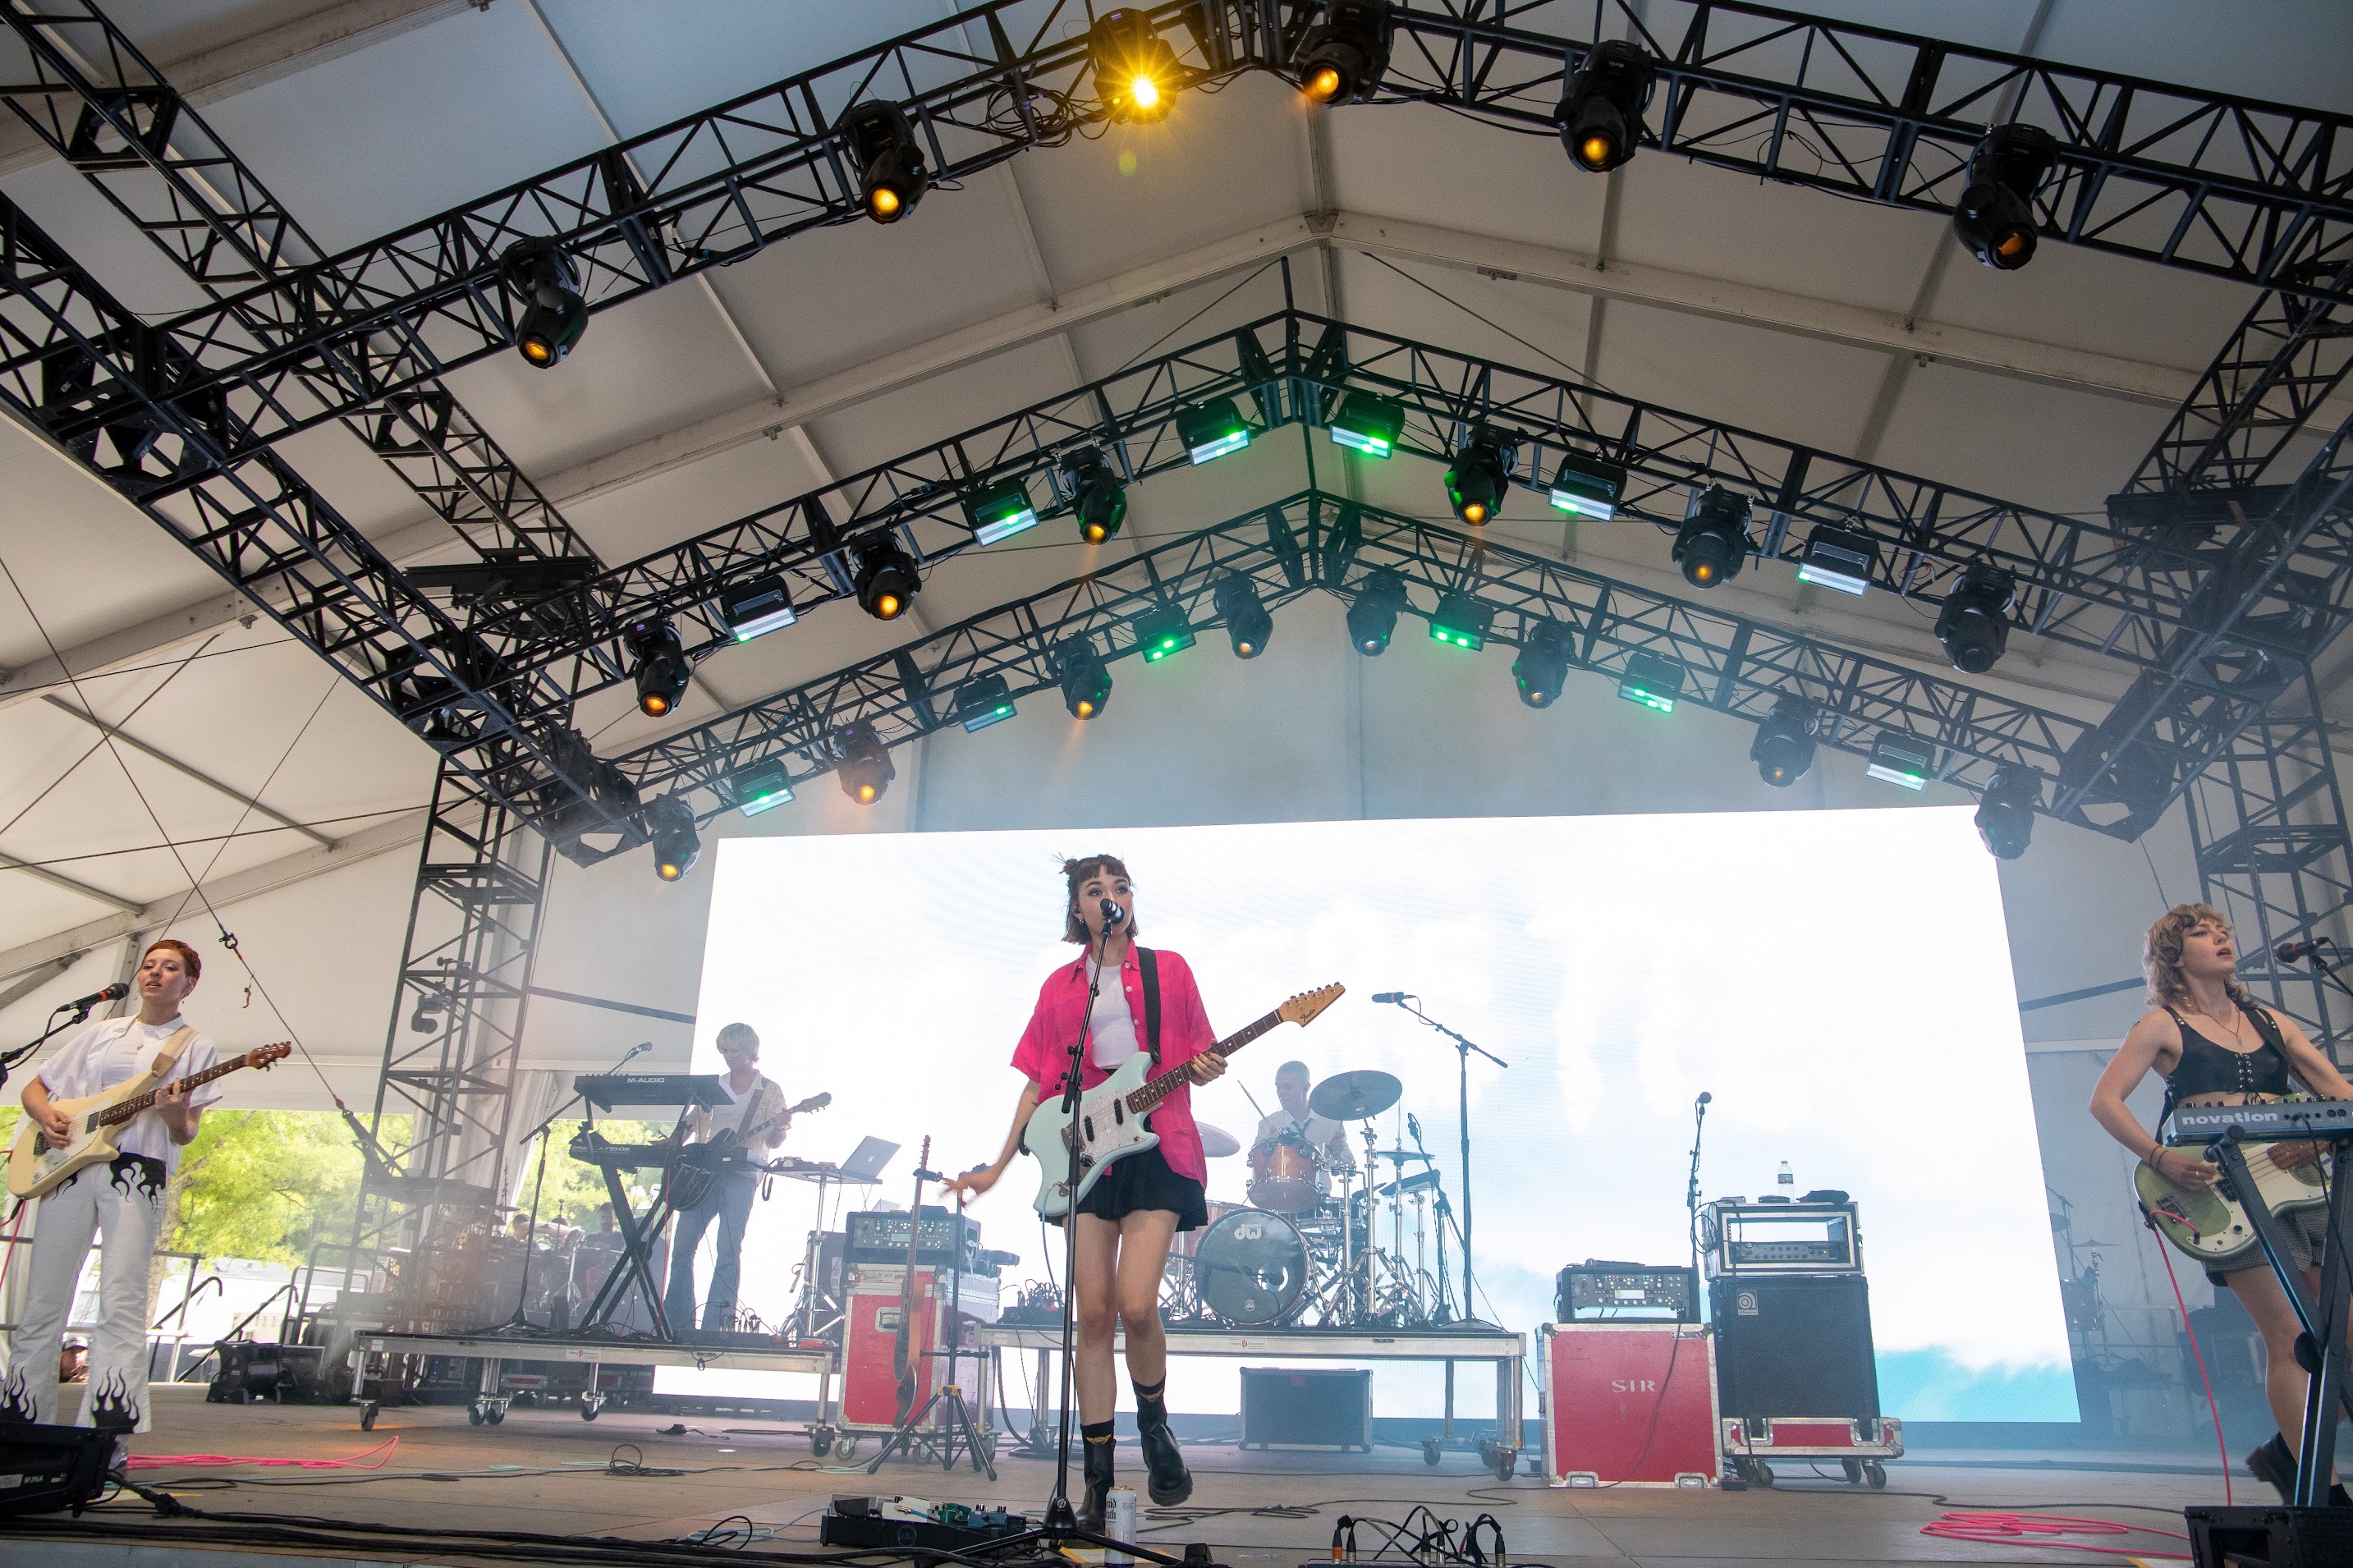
{"type": "Point", "coordinates": [1296, 1255]}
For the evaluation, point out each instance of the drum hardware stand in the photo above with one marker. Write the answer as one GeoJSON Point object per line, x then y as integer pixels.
{"type": "Point", "coordinates": [1463, 1047]}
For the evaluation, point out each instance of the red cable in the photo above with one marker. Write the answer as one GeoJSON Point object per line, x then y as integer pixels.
{"type": "Point", "coordinates": [2041, 1529]}
{"type": "Point", "coordinates": [381, 1454]}
{"type": "Point", "coordinates": [15, 1225]}
{"type": "Point", "coordinates": [2165, 1253]}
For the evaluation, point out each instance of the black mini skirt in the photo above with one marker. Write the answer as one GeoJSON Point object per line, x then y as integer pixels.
{"type": "Point", "coordinates": [1143, 1182]}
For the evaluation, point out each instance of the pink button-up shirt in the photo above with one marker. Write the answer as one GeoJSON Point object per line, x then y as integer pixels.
{"type": "Point", "coordinates": [1044, 1054]}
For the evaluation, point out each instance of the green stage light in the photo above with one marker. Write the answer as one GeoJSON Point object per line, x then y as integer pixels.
{"type": "Point", "coordinates": [1211, 430]}
{"type": "Point", "coordinates": [1461, 621]}
{"type": "Point", "coordinates": [983, 701]}
{"type": "Point", "coordinates": [761, 787]}
{"type": "Point", "coordinates": [1588, 487]}
{"type": "Point", "coordinates": [1369, 424]}
{"type": "Point", "coordinates": [1839, 558]}
{"type": "Point", "coordinates": [999, 511]}
{"type": "Point", "coordinates": [1653, 682]}
{"type": "Point", "coordinates": [1898, 758]}
{"type": "Point", "coordinates": [1162, 632]}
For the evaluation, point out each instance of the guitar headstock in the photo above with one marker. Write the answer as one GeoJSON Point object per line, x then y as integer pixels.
{"type": "Point", "coordinates": [1304, 1007]}
{"type": "Point", "coordinates": [814, 1103]}
{"type": "Point", "coordinates": [265, 1056]}
{"type": "Point", "coordinates": [924, 1160]}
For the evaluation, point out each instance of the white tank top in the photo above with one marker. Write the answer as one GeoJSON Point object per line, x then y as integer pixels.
{"type": "Point", "coordinates": [1111, 1027]}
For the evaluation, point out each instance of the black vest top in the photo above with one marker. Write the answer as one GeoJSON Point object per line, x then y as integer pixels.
{"type": "Point", "coordinates": [2206, 1068]}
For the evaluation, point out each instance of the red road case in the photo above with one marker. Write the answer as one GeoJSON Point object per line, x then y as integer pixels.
{"type": "Point", "coordinates": [1628, 1403]}
{"type": "Point", "coordinates": [870, 1383]}
{"type": "Point", "coordinates": [1861, 1445]}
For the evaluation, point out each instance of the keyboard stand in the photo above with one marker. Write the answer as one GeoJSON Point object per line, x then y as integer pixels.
{"type": "Point", "coordinates": [639, 1233]}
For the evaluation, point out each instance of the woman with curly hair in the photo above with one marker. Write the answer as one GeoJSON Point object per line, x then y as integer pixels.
{"type": "Point", "coordinates": [2215, 1045]}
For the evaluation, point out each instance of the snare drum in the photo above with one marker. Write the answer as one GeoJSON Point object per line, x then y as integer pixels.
{"type": "Point", "coordinates": [1286, 1177]}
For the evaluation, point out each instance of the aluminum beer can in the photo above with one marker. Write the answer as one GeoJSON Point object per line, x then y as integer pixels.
{"type": "Point", "coordinates": [1119, 1524]}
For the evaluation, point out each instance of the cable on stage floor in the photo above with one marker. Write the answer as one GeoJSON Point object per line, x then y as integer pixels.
{"type": "Point", "coordinates": [2044, 1530]}
{"type": "Point", "coordinates": [373, 1458]}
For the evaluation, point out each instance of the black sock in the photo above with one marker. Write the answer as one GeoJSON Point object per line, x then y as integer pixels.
{"type": "Point", "coordinates": [1149, 1392]}
{"type": "Point", "coordinates": [1097, 1431]}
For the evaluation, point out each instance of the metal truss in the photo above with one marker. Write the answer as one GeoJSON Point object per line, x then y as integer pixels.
{"type": "Point", "coordinates": [1311, 541]}
{"type": "Point", "coordinates": [456, 1034]}
{"type": "Point", "coordinates": [72, 76]}
{"type": "Point", "coordinates": [83, 370]}
{"type": "Point", "coordinates": [2225, 186]}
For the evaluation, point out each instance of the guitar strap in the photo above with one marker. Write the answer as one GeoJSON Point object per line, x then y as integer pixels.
{"type": "Point", "coordinates": [168, 1055]}
{"type": "Point", "coordinates": [1149, 962]}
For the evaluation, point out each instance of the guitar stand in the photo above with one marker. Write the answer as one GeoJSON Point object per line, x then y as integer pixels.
{"type": "Point", "coordinates": [957, 1432]}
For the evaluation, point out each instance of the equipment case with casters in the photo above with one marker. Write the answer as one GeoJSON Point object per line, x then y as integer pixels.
{"type": "Point", "coordinates": [1628, 1403]}
{"type": "Point", "coordinates": [1307, 1407]}
{"type": "Point", "coordinates": [1861, 1445]}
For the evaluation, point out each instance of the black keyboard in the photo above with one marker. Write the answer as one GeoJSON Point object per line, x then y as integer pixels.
{"type": "Point", "coordinates": [614, 1090]}
{"type": "Point", "coordinates": [2287, 1119]}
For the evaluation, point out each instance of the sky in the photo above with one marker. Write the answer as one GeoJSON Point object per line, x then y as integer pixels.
{"type": "Point", "coordinates": [1838, 981]}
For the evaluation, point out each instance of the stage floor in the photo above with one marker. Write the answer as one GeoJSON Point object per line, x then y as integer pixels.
{"type": "Point", "coordinates": [545, 1470]}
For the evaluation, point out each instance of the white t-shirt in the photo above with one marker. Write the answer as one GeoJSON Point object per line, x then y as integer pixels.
{"type": "Point", "coordinates": [1324, 1136]}
{"type": "Point", "coordinates": [1110, 1028]}
{"type": "Point", "coordinates": [763, 1097]}
{"type": "Point", "coordinates": [115, 1050]}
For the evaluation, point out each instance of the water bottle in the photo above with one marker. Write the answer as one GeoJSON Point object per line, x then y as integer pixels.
{"type": "Point", "coordinates": [1786, 1182]}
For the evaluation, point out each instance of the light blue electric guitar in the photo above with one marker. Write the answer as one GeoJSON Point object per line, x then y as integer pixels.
{"type": "Point", "coordinates": [1073, 1151]}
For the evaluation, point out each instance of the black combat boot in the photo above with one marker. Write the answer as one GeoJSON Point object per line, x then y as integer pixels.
{"type": "Point", "coordinates": [1098, 1441]}
{"type": "Point", "coordinates": [1164, 1461]}
{"type": "Point", "coordinates": [2275, 1464]}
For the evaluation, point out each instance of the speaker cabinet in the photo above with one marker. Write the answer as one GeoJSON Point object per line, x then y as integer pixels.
{"type": "Point", "coordinates": [1794, 1344]}
{"type": "Point", "coordinates": [1318, 1407]}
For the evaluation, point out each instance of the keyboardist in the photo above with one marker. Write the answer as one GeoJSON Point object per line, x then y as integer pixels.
{"type": "Point", "coordinates": [756, 1122]}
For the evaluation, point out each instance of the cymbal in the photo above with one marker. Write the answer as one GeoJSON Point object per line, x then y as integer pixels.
{"type": "Point", "coordinates": [1399, 1155]}
{"type": "Point", "coordinates": [1217, 1142]}
{"type": "Point", "coordinates": [1350, 1096]}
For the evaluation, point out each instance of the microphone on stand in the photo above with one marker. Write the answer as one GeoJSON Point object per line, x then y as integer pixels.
{"type": "Point", "coordinates": [114, 992]}
{"type": "Point", "coordinates": [2289, 952]}
{"type": "Point", "coordinates": [1703, 1098]}
{"type": "Point", "coordinates": [1394, 997]}
{"type": "Point", "coordinates": [1113, 916]}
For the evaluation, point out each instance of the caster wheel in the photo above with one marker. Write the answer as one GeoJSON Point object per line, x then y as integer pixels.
{"type": "Point", "coordinates": [367, 1416]}
{"type": "Point", "coordinates": [474, 1416]}
{"type": "Point", "coordinates": [588, 1410]}
{"type": "Point", "coordinates": [496, 1417]}
{"type": "Point", "coordinates": [1877, 1475]}
{"type": "Point", "coordinates": [1853, 1469]}
{"type": "Point", "coordinates": [820, 1443]}
{"type": "Point", "coordinates": [1430, 1451]}
{"type": "Point", "coordinates": [845, 1447]}
{"type": "Point", "coordinates": [1763, 1473]}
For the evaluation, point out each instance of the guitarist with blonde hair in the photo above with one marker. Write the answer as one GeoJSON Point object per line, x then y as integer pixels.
{"type": "Point", "coordinates": [122, 1202]}
{"type": "Point", "coordinates": [2215, 1045]}
{"type": "Point", "coordinates": [759, 1119]}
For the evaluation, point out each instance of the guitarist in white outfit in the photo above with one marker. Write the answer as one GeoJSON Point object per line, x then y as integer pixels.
{"type": "Point", "coordinates": [759, 1119]}
{"type": "Point", "coordinates": [2215, 1045]}
{"type": "Point", "coordinates": [122, 1202]}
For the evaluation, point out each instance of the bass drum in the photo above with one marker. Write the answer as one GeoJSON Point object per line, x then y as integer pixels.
{"type": "Point", "coordinates": [1250, 1269]}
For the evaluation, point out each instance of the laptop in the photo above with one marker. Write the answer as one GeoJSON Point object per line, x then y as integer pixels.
{"type": "Point", "coordinates": [866, 1162]}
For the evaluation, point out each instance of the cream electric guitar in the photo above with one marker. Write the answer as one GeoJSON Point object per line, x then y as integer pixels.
{"type": "Point", "coordinates": [1073, 1151]}
{"type": "Point", "coordinates": [2210, 1224]}
{"type": "Point", "coordinates": [37, 1167]}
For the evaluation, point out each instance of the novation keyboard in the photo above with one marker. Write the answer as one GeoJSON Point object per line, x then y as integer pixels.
{"type": "Point", "coordinates": [2281, 1119]}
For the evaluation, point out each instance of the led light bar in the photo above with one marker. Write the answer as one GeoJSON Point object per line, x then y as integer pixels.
{"type": "Point", "coordinates": [1160, 633]}
{"type": "Point", "coordinates": [1461, 621]}
{"type": "Point", "coordinates": [1211, 430]}
{"type": "Point", "coordinates": [1588, 487]}
{"type": "Point", "coordinates": [1653, 682]}
{"type": "Point", "coordinates": [1898, 757]}
{"type": "Point", "coordinates": [756, 608]}
{"type": "Point", "coordinates": [983, 701]}
{"type": "Point", "coordinates": [999, 511]}
{"type": "Point", "coordinates": [1369, 424]}
{"type": "Point", "coordinates": [761, 787]}
{"type": "Point", "coordinates": [1839, 558]}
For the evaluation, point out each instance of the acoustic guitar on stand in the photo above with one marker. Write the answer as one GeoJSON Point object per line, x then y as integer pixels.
{"type": "Point", "coordinates": [37, 1167]}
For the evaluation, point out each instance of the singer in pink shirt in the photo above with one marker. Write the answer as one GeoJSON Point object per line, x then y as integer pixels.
{"type": "Point", "coordinates": [1133, 1213]}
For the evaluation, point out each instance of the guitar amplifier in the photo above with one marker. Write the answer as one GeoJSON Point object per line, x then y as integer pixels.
{"type": "Point", "coordinates": [1746, 1239]}
{"type": "Point", "coordinates": [1597, 1285]}
{"type": "Point", "coordinates": [879, 1236]}
{"type": "Point", "coordinates": [1795, 1346]}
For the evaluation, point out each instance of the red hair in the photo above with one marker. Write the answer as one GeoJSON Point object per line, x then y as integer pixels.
{"type": "Point", "coordinates": [188, 959]}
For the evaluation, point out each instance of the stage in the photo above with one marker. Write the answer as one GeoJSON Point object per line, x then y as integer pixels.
{"type": "Point", "coordinates": [545, 1470]}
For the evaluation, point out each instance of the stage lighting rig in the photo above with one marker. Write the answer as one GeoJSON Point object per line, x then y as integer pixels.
{"type": "Point", "coordinates": [1368, 424]}
{"type": "Point", "coordinates": [1712, 546]}
{"type": "Point", "coordinates": [999, 511]}
{"type": "Point", "coordinates": [1085, 678]}
{"type": "Point", "coordinates": [889, 162]}
{"type": "Point", "coordinates": [1481, 474]}
{"type": "Point", "coordinates": [1974, 624]}
{"type": "Point", "coordinates": [1902, 759]}
{"type": "Point", "coordinates": [1588, 487]}
{"type": "Point", "coordinates": [1653, 682]}
{"type": "Point", "coordinates": [1840, 558]}
{"type": "Point", "coordinates": [760, 786]}
{"type": "Point", "coordinates": [885, 578]}
{"type": "Point", "coordinates": [2006, 810]}
{"type": "Point", "coordinates": [1211, 430]}
{"type": "Point", "coordinates": [670, 824]}
{"type": "Point", "coordinates": [1371, 617]}
{"type": "Point", "coordinates": [1542, 668]}
{"type": "Point", "coordinates": [1461, 621]}
{"type": "Point", "coordinates": [762, 605]}
{"type": "Point", "coordinates": [1098, 499]}
{"type": "Point", "coordinates": [1601, 113]}
{"type": "Point", "coordinates": [1137, 73]}
{"type": "Point", "coordinates": [862, 764]}
{"type": "Point", "coordinates": [661, 670]}
{"type": "Point", "coordinates": [1247, 621]}
{"type": "Point", "coordinates": [983, 701]}
{"type": "Point", "coordinates": [1995, 214]}
{"type": "Point", "coordinates": [1162, 632]}
{"type": "Point", "coordinates": [1784, 747]}
{"type": "Point", "coordinates": [1344, 56]}
{"type": "Point", "coordinates": [554, 317]}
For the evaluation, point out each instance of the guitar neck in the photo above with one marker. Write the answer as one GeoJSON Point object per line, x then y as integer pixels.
{"type": "Point", "coordinates": [133, 1107]}
{"type": "Point", "coordinates": [1159, 1089]}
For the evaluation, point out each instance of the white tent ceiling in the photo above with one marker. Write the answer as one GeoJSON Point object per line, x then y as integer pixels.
{"type": "Point", "coordinates": [1857, 329]}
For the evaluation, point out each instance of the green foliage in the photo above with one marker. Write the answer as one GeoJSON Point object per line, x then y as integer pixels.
{"type": "Point", "coordinates": [574, 1189]}
{"type": "Point", "coordinates": [265, 1185]}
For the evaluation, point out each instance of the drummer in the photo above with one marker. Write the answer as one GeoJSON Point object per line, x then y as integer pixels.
{"type": "Point", "coordinates": [1327, 1137]}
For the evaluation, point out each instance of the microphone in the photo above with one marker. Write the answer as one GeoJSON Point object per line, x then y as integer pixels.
{"type": "Point", "coordinates": [641, 1048]}
{"type": "Point", "coordinates": [1413, 1125]}
{"type": "Point", "coordinates": [2289, 952]}
{"type": "Point", "coordinates": [1705, 1097]}
{"type": "Point", "coordinates": [114, 992]}
{"type": "Point", "coordinates": [1394, 997]}
{"type": "Point", "coordinates": [1113, 916]}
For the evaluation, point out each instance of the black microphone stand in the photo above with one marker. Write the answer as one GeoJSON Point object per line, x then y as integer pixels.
{"type": "Point", "coordinates": [81, 1012]}
{"type": "Point", "coordinates": [1463, 1047]}
{"type": "Point", "coordinates": [2317, 952]}
{"type": "Point", "coordinates": [1691, 1192]}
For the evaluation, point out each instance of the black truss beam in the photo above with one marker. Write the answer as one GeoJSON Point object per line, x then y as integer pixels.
{"type": "Point", "coordinates": [2227, 186]}
{"type": "Point", "coordinates": [1312, 542]}
{"type": "Point", "coordinates": [2129, 600]}
{"type": "Point", "coordinates": [80, 83]}
{"type": "Point", "coordinates": [79, 367]}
